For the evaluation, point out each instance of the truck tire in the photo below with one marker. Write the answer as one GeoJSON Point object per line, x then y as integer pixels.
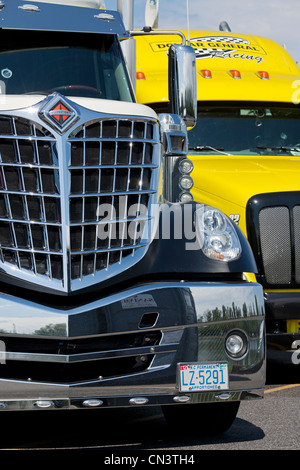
{"type": "Point", "coordinates": [201, 419]}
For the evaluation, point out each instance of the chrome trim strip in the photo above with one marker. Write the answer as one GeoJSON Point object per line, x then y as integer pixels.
{"type": "Point", "coordinates": [58, 402]}
{"type": "Point", "coordinates": [64, 358]}
{"type": "Point", "coordinates": [24, 317]}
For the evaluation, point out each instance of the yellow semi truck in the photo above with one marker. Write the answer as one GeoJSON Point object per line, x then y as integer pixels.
{"type": "Point", "coordinates": [245, 150]}
{"type": "Point", "coordinates": [102, 303]}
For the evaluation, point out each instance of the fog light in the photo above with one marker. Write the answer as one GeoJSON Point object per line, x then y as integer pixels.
{"type": "Point", "coordinates": [236, 344]}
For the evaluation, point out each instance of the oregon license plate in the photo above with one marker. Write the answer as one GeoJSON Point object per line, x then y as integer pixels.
{"type": "Point", "coordinates": [200, 377]}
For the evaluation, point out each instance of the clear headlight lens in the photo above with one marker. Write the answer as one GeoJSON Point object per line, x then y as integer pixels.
{"type": "Point", "coordinates": [217, 234]}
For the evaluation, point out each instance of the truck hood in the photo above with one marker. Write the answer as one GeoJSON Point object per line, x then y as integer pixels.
{"type": "Point", "coordinates": [238, 178]}
{"type": "Point", "coordinates": [14, 102]}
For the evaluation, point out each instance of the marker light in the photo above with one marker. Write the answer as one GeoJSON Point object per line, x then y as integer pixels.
{"type": "Point", "coordinates": [217, 235]}
{"type": "Point", "coordinates": [264, 75]}
{"type": "Point", "coordinates": [186, 182]}
{"type": "Point", "coordinates": [186, 197]}
{"type": "Point", "coordinates": [186, 166]}
{"type": "Point", "coordinates": [235, 73]}
{"type": "Point", "coordinates": [140, 76]}
{"type": "Point", "coordinates": [206, 73]}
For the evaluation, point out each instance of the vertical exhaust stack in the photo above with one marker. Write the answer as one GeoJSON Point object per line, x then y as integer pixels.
{"type": "Point", "coordinates": [224, 26]}
{"type": "Point", "coordinates": [151, 13]}
{"type": "Point", "coordinates": [126, 10]}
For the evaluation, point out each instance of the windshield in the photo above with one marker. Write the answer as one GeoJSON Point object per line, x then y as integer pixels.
{"type": "Point", "coordinates": [246, 129]}
{"type": "Point", "coordinates": [72, 64]}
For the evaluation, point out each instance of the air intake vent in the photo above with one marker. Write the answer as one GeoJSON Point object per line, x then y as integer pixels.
{"type": "Point", "coordinates": [273, 224]}
{"type": "Point", "coordinates": [275, 239]}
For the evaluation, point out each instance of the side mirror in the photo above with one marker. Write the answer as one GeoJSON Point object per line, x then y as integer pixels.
{"type": "Point", "coordinates": [183, 83]}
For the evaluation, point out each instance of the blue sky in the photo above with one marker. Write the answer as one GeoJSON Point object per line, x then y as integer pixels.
{"type": "Point", "coordinates": [276, 19]}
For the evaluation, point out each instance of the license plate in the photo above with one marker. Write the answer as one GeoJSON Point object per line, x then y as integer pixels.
{"type": "Point", "coordinates": [197, 377]}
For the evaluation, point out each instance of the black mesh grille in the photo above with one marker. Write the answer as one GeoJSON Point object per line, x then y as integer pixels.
{"type": "Point", "coordinates": [275, 239]}
{"type": "Point", "coordinates": [273, 224]}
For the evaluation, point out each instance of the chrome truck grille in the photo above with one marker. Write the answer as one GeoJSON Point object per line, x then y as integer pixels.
{"type": "Point", "coordinates": [75, 198]}
{"type": "Point", "coordinates": [273, 223]}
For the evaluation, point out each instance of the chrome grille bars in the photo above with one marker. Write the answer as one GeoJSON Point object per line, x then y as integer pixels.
{"type": "Point", "coordinates": [110, 173]}
{"type": "Point", "coordinates": [75, 203]}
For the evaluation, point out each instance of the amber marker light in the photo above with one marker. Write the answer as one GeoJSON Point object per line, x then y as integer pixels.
{"type": "Point", "coordinates": [264, 75]}
{"type": "Point", "coordinates": [206, 73]}
{"type": "Point", "coordinates": [235, 73]}
{"type": "Point", "coordinates": [140, 76]}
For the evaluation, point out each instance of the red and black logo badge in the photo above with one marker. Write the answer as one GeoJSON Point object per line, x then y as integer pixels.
{"type": "Point", "coordinates": [59, 113]}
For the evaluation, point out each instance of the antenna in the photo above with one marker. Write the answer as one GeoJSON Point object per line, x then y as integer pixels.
{"type": "Point", "coordinates": [188, 20]}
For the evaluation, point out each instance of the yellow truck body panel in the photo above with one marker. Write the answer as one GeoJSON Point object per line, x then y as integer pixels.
{"type": "Point", "coordinates": [220, 56]}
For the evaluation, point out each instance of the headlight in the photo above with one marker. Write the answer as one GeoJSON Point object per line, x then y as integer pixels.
{"type": "Point", "coordinates": [217, 235]}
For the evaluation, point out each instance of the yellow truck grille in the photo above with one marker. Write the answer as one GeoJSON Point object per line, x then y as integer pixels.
{"type": "Point", "coordinates": [273, 223]}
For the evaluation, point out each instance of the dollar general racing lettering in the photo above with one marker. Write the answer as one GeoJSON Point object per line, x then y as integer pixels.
{"type": "Point", "coordinates": [209, 47]}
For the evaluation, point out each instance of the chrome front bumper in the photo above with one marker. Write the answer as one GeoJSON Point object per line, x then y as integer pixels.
{"type": "Point", "coordinates": [147, 330]}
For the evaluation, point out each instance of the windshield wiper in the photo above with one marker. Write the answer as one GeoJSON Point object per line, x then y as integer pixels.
{"type": "Point", "coordinates": [38, 92]}
{"type": "Point", "coordinates": [284, 149]}
{"type": "Point", "coordinates": [200, 148]}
